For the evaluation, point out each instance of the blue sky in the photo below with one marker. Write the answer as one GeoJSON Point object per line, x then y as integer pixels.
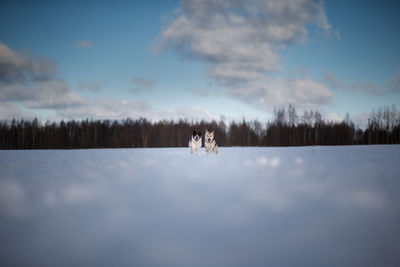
{"type": "Point", "coordinates": [197, 59]}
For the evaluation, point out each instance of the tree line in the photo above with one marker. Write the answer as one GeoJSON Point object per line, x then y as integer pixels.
{"type": "Point", "coordinates": [287, 129]}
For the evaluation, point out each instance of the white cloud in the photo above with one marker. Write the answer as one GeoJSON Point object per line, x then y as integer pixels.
{"type": "Point", "coordinates": [361, 119]}
{"type": "Point", "coordinates": [29, 87]}
{"type": "Point", "coordinates": [10, 110]}
{"type": "Point", "coordinates": [106, 108]}
{"type": "Point", "coordinates": [52, 93]}
{"type": "Point", "coordinates": [90, 86]}
{"type": "Point", "coordinates": [303, 72]}
{"type": "Point", "coordinates": [141, 85]}
{"type": "Point", "coordinates": [84, 43]}
{"type": "Point", "coordinates": [114, 109]}
{"type": "Point", "coordinates": [368, 88]}
{"type": "Point", "coordinates": [21, 67]}
{"type": "Point", "coordinates": [269, 91]}
{"type": "Point", "coordinates": [240, 42]}
{"type": "Point", "coordinates": [191, 113]}
{"type": "Point", "coordinates": [395, 84]}
{"type": "Point", "coordinates": [333, 116]}
{"type": "Point", "coordinates": [33, 84]}
{"type": "Point", "coordinates": [202, 92]}
{"type": "Point", "coordinates": [332, 80]}
{"type": "Point", "coordinates": [363, 87]}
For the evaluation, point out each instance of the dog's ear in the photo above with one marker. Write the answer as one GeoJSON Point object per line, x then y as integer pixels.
{"type": "Point", "coordinates": [200, 134]}
{"type": "Point", "coordinates": [214, 131]}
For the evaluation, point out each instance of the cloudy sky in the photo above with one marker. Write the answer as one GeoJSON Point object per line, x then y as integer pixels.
{"type": "Point", "coordinates": [210, 59]}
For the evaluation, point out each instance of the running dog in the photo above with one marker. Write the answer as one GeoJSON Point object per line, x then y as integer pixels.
{"type": "Point", "coordinates": [195, 143]}
{"type": "Point", "coordinates": [209, 142]}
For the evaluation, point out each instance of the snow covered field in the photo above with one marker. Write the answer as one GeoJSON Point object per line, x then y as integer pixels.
{"type": "Point", "coordinates": [301, 206]}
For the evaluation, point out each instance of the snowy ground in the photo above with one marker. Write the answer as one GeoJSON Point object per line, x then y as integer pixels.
{"type": "Point", "coordinates": [303, 206]}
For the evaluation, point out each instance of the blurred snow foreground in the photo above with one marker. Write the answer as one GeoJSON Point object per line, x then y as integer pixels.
{"type": "Point", "coordinates": [299, 206]}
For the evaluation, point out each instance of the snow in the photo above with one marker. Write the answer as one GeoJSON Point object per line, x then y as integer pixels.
{"type": "Point", "coordinates": [296, 206]}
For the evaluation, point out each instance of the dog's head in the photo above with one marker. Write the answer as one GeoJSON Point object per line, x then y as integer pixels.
{"type": "Point", "coordinates": [209, 136]}
{"type": "Point", "coordinates": [196, 135]}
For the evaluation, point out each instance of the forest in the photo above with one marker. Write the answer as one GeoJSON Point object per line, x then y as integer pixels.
{"type": "Point", "coordinates": [287, 129]}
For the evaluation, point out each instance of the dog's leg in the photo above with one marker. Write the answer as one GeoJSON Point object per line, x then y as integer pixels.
{"type": "Point", "coordinates": [216, 149]}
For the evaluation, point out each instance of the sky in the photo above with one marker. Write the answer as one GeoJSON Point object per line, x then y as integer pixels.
{"type": "Point", "coordinates": [199, 60]}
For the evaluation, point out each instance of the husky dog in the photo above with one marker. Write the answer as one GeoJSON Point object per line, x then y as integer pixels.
{"type": "Point", "coordinates": [195, 142]}
{"type": "Point", "coordinates": [209, 142]}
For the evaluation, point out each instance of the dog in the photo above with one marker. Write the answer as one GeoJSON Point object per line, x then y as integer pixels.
{"type": "Point", "coordinates": [195, 143]}
{"type": "Point", "coordinates": [209, 143]}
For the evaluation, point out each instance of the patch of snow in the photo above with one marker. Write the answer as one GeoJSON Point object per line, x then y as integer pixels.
{"type": "Point", "coordinates": [301, 206]}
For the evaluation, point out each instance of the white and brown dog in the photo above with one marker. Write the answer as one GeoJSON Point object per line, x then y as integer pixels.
{"type": "Point", "coordinates": [209, 142]}
{"type": "Point", "coordinates": [195, 143]}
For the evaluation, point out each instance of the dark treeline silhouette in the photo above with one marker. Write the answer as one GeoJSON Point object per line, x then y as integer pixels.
{"type": "Point", "coordinates": [287, 129]}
